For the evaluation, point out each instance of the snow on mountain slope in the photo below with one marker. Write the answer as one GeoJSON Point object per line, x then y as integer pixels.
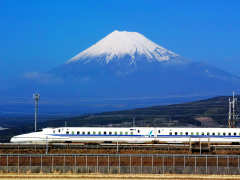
{"type": "Point", "coordinates": [123, 53]}
{"type": "Point", "coordinates": [120, 44]}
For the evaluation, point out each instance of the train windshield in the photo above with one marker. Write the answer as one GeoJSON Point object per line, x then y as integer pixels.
{"type": "Point", "coordinates": [40, 130]}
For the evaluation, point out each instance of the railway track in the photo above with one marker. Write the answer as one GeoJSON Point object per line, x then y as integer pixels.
{"type": "Point", "coordinates": [90, 146]}
{"type": "Point", "coordinates": [194, 147]}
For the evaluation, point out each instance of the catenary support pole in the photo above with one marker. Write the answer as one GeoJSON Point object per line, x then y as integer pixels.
{"type": "Point", "coordinates": [18, 165]}
{"type": "Point", "coordinates": [195, 164]}
{"type": "Point", "coordinates": [86, 164]}
{"type": "Point", "coordinates": [206, 163]}
{"type": "Point", "coordinates": [7, 163]}
{"type": "Point", "coordinates": [152, 163]}
{"type": "Point", "coordinates": [97, 163]}
{"type": "Point", "coordinates": [30, 164]}
{"type": "Point", "coordinates": [64, 163]}
{"type": "Point", "coordinates": [184, 162]}
{"type": "Point", "coordinates": [75, 163]}
{"type": "Point", "coordinates": [119, 163]}
{"type": "Point", "coordinates": [238, 162]}
{"type": "Point", "coordinates": [173, 163]}
{"type": "Point", "coordinates": [163, 163]}
{"type": "Point", "coordinates": [108, 164]}
{"type": "Point", "coordinates": [41, 162]}
{"type": "Point", "coordinates": [130, 164]}
{"type": "Point", "coordinates": [52, 162]}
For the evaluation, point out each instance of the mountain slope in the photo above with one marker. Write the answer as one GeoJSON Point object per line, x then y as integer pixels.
{"type": "Point", "coordinates": [123, 53]}
{"type": "Point", "coordinates": [205, 113]}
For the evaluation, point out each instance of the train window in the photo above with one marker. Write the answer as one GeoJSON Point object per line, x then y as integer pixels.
{"type": "Point", "coordinates": [99, 132]}
{"type": "Point", "coordinates": [121, 133]}
{"type": "Point", "coordinates": [94, 132]}
{"type": "Point", "coordinates": [175, 133]}
{"type": "Point", "coordinates": [170, 133]}
{"type": "Point", "coordinates": [181, 133]}
{"type": "Point", "coordinates": [83, 132]}
{"type": "Point", "coordinates": [219, 133]}
{"type": "Point", "coordinates": [67, 132]}
{"type": "Point", "coordinates": [72, 132]}
{"type": "Point", "coordinates": [202, 133]}
{"type": "Point", "coordinates": [208, 133]}
{"type": "Point", "coordinates": [229, 134]}
{"type": "Point", "coordinates": [235, 134]}
{"type": "Point", "coordinates": [53, 131]}
{"type": "Point", "coordinates": [186, 133]}
{"type": "Point", "coordinates": [78, 132]}
{"type": "Point", "coordinates": [138, 131]}
{"type": "Point", "coordinates": [105, 132]}
{"type": "Point", "coordinates": [213, 133]}
{"type": "Point", "coordinates": [131, 133]}
{"type": "Point", "coordinates": [224, 134]}
{"type": "Point", "coordinates": [191, 133]}
{"type": "Point", "coordinates": [126, 133]}
{"type": "Point", "coordinates": [115, 132]}
{"type": "Point", "coordinates": [110, 132]}
{"type": "Point", "coordinates": [159, 131]}
{"type": "Point", "coordinates": [59, 130]}
{"type": "Point", "coordinates": [88, 132]}
{"type": "Point", "coordinates": [197, 133]}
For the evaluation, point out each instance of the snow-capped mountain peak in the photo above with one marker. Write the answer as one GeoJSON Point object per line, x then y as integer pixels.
{"type": "Point", "coordinates": [121, 44]}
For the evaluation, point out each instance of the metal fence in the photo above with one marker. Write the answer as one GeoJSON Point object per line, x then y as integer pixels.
{"type": "Point", "coordinates": [121, 163]}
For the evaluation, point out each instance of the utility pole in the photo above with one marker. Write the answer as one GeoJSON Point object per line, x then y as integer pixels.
{"type": "Point", "coordinates": [46, 144]}
{"type": "Point", "coordinates": [234, 117]}
{"type": "Point", "coordinates": [231, 114]}
{"type": "Point", "coordinates": [133, 121]}
{"type": "Point", "coordinates": [36, 97]}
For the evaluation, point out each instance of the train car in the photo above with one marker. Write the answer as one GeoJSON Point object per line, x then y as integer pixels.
{"type": "Point", "coordinates": [130, 135]}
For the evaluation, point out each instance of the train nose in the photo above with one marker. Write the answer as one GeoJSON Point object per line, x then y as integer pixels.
{"type": "Point", "coordinates": [13, 140]}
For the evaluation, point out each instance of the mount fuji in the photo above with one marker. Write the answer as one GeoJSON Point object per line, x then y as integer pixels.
{"type": "Point", "coordinates": [126, 70]}
{"type": "Point", "coordinates": [128, 65]}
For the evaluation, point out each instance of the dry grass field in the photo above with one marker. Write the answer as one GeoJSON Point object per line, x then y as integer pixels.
{"type": "Point", "coordinates": [110, 176]}
{"type": "Point", "coordinates": [11, 176]}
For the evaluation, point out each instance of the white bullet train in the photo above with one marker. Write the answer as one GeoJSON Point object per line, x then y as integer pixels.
{"type": "Point", "coordinates": [130, 135]}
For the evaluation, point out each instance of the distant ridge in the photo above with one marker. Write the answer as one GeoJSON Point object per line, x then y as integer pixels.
{"type": "Point", "coordinates": [205, 113]}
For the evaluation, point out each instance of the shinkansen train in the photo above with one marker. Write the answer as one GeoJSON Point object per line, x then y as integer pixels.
{"type": "Point", "coordinates": [130, 135]}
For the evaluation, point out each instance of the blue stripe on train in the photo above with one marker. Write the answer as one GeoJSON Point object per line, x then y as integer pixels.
{"type": "Point", "coordinates": [159, 136]}
{"type": "Point", "coordinates": [92, 135]}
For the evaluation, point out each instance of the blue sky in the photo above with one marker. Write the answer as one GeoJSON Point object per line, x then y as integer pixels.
{"type": "Point", "coordinates": [36, 36]}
